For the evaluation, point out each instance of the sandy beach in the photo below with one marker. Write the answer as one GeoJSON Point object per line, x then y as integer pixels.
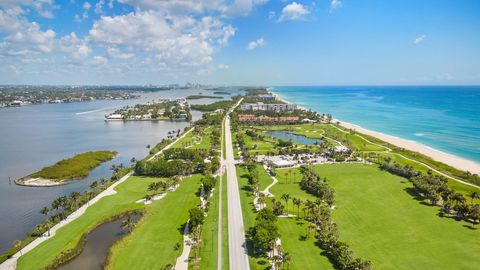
{"type": "Point", "coordinates": [449, 159]}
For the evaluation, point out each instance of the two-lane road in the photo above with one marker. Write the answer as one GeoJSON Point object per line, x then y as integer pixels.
{"type": "Point", "coordinates": [238, 255]}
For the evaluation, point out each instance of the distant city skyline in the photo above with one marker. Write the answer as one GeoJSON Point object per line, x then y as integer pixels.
{"type": "Point", "coordinates": [240, 42]}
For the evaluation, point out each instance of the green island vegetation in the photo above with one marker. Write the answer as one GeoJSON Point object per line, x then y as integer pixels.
{"type": "Point", "coordinates": [219, 105]}
{"type": "Point", "coordinates": [203, 96]}
{"type": "Point", "coordinates": [164, 187]}
{"type": "Point", "coordinates": [76, 167]}
{"type": "Point", "coordinates": [221, 93]}
{"type": "Point", "coordinates": [164, 109]}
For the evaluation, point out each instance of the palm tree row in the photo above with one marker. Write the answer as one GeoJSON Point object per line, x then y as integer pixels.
{"type": "Point", "coordinates": [320, 218]}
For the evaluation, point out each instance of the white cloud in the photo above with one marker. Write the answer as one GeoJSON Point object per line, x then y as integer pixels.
{"type": "Point", "coordinates": [86, 5]}
{"type": "Point", "coordinates": [99, 60]}
{"type": "Point", "coordinates": [419, 39]}
{"type": "Point", "coordinates": [222, 66]}
{"type": "Point", "coordinates": [99, 7]}
{"type": "Point", "coordinates": [335, 4]}
{"type": "Point", "coordinates": [256, 43]}
{"type": "Point", "coordinates": [175, 42]}
{"type": "Point", "coordinates": [116, 53]}
{"type": "Point", "coordinates": [294, 11]}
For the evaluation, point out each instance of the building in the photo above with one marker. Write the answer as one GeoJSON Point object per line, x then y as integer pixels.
{"type": "Point", "coordinates": [264, 118]}
{"type": "Point", "coordinates": [260, 106]}
{"type": "Point", "coordinates": [267, 97]}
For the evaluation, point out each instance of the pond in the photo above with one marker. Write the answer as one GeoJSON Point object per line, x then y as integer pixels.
{"type": "Point", "coordinates": [290, 136]}
{"type": "Point", "coordinates": [97, 245]}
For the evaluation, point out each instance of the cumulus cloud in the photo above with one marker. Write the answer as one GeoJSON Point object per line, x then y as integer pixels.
{"type": "Point", "coordinates": [116, 53]}
{"type": "Point", "coordinates": [173, 41]}
{"type": "Point", "coordinates": [419, 39]}
{"type": "Point", "coordinates": [256, 43]}
{"type": "Point", "coordinates": [335, 4]}
{"type": "Point", "coordinates": [294, 11]}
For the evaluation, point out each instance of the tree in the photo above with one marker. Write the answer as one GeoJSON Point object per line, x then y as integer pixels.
{"type": "Point", "coordinates": [17, 244]}
{"type": "Point", "coordinates": [297, 202]}
{"type": "Point", "coordinates": [286, 259]}
{"type": "Point", "coordinates": [44, 210]}
{"type": "Point", "coordinates": [286, 198]}
{"type": "Point", "coordinates": [474, 195]}
{"type": "Point", "coordinates": [94, 184]}
{"type": "Point", "coordinates": [128, 224]}
{"type": "Point", "coordinates": [196, 217]}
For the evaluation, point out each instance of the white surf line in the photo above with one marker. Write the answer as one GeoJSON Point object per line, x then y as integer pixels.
{"type": "Point", "coordinates": [92, 111]}
{"type": "Point", "coordinates": [389, 150]}
{"type": "Point", "coordinates": [11, 264]}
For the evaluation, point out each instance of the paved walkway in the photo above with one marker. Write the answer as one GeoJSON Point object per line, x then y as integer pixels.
{"type": "Point", "coordinates": [11, 263]}
{"type": "Point", "coordinates": [182, 261]}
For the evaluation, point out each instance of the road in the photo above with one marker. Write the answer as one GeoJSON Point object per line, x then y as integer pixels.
{"type": "Point", "coordinates": [238, 255]}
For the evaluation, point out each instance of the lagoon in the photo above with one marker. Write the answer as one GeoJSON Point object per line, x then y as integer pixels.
{"type": "Point", "coordinates": [35, 136]}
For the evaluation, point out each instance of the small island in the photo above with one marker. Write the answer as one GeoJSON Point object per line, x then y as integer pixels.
{"type": "Point", "coordinates": [77, 167]}
{"type": "Point", "coordinates": [221, 93]}
{"type": "Point", "coordinates": [164, 109]}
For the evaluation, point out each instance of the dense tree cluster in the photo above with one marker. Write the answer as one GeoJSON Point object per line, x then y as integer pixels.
{"type": "Point", "coordinates": [185, 154]}
{"type": "Point", "coordinates": [168, 168]}
{"type": "Point", "coordinates": [313, 184]}
{"type": "Point", "coordinates": [435, 189]}
{"type": "Point", "coordinates": [265, 231]}
{"type": "Point", "coordinates": [208, 182]}
{"type": "Point", "coordinates": [327, 230]}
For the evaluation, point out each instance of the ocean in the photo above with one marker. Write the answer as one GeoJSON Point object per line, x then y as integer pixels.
{"type": "Point", "coordinates": [446, 118]}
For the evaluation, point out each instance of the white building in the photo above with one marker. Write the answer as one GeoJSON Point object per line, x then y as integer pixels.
{"type": "Point", "coordinates": [260, 106]}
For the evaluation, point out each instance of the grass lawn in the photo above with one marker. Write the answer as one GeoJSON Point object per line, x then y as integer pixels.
{"type": "Point", "coordinates": [67, 237]}
{"type": "Point", "coordinates": [249, 214]}
{"type": "Point", "coordinates": [303, 251]}
{"type": "Point", "coordinates": [225, 251]}
{"type": "Point", "coordinates": [382, 222]}
{"type": "Point", "coordinates": [209, 239]}
{"type": "Point", "coordinates": [191, 140]}
{"type": "Point", "coordinates": [151, 244]}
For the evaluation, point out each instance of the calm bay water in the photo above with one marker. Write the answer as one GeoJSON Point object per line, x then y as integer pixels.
{"type": "Point", "coordinates": [444, 118]}
{"type": "Point", "coordinates": [35, 136]}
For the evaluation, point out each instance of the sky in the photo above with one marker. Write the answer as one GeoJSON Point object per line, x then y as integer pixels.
{"type": "Point", "coordinates": [240, 42]}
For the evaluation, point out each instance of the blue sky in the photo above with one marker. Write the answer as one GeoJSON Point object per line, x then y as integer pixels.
{"type": "Point", "coordinates": [254, 42]}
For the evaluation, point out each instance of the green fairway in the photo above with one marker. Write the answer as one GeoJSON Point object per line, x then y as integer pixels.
{"type": "Point", "coordinates": [151, 244]}
{"type": "Point", "coordinates": [302, 249]}
{"type": "Point", "coordinates": [383, 223]}
{"type": "Point", "coordinates": [67, 237]}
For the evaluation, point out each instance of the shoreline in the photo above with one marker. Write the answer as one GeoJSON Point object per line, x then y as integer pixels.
{"type": "Point", "coordinates": [437, 155]}
{"type": "Point", "coordinates": [39, 182]}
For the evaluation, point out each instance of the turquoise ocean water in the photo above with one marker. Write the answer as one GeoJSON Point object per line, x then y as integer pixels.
{"type": "Point", "coordinates": [444, 118]}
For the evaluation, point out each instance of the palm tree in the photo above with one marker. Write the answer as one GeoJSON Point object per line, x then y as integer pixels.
{"type": "Point", "coordinates": [310, 228]}
{"type": "Point", "coordinates": [297, 202]}
{"type": "Point", "coordinates": [128, 224]}
{"type": "Point", "coordinates": [286, 198]}
{"type": "Point", "coordinates": [474, 195]}
{"type": "Point", "coordinates": [44, 210]}
{"type": "Point", "coordinates": [17, 244]}
{"type": "Point", "coordinates": [94, 184]}
{"type": "Point", "coordinates": [286, 259]}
